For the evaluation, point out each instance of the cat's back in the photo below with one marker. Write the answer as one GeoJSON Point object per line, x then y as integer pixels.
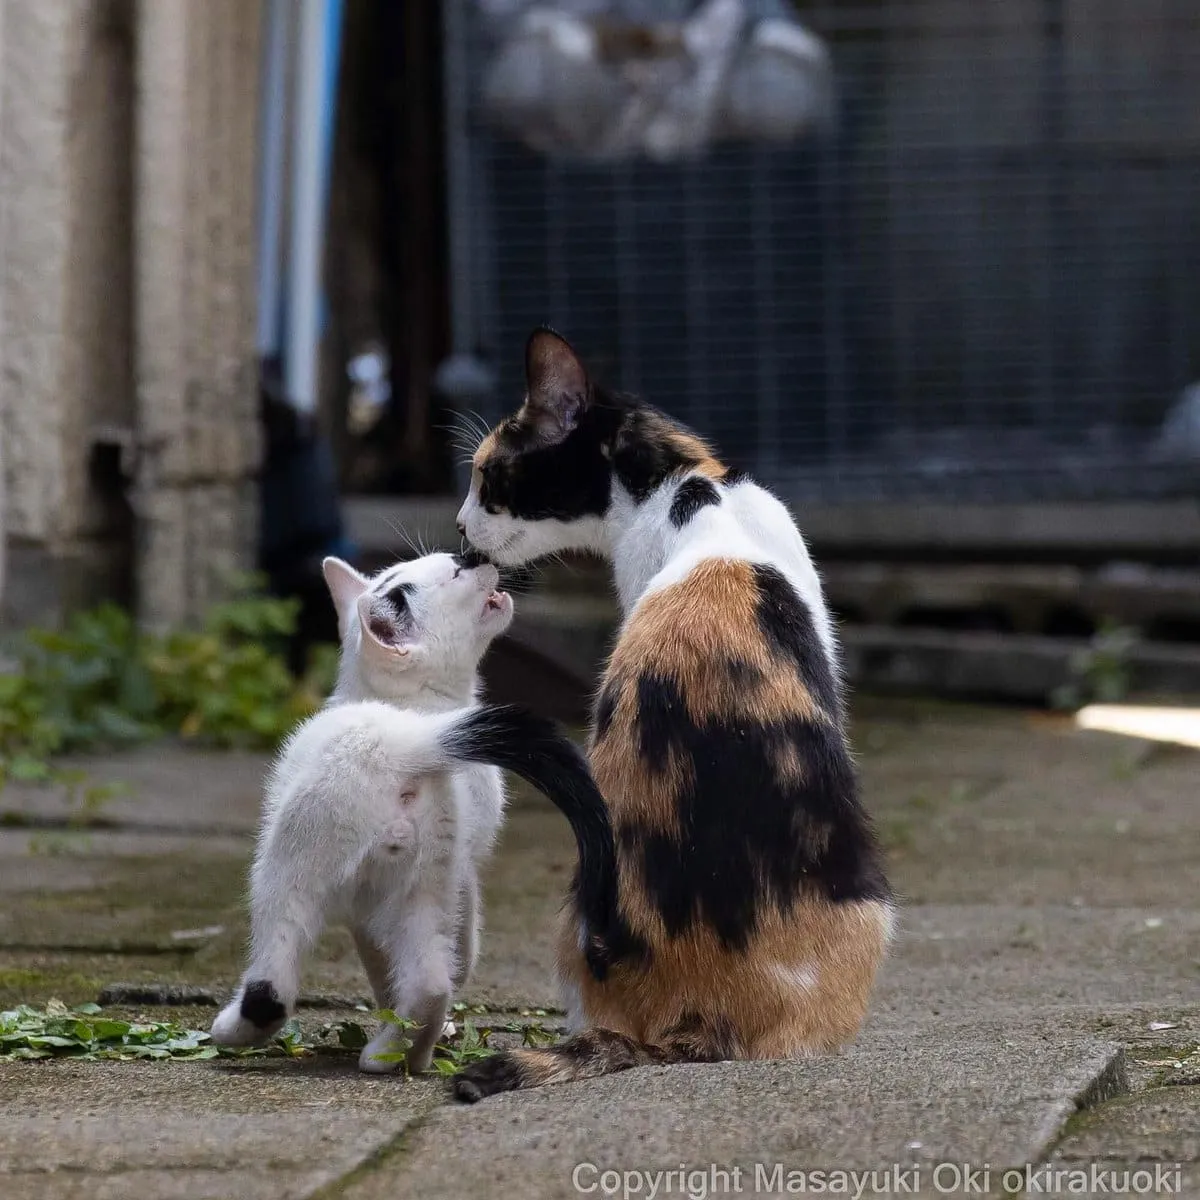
{"type": "Point", "coordinates": [337, 746]}
{"type": "Point", "coordinates": [719, 737]}
{"type": "Point", "coordinates": [748, 871]}
{"type": "Point", "coordinates": [334, 729]}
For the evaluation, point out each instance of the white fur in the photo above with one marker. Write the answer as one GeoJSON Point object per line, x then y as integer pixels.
{"type": "Point", "coordinates": [363, 822]}
{"type": "Point", "coordinates": [802, 978]}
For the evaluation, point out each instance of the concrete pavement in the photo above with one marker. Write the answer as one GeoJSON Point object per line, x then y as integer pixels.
{"type": "Point", "coordinates": [1049, 957]}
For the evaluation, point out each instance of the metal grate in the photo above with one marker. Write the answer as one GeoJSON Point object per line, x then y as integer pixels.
{"type": "Point", "coordinates": [985, 285]}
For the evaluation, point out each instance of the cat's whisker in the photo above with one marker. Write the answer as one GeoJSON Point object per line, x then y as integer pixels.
{"type": "Point", "coordinates": [462, 437]}
{"type": "Point", "coordinates": [484, 426]}
{"type": "Point", "coordinates": [404, 536]}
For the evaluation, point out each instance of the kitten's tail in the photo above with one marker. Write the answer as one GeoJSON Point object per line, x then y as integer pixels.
{"type": "Point", "coordinates": [535, 748]}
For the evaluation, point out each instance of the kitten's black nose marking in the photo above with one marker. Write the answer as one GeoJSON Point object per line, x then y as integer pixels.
{"type": "Point", "coordinates": [469, 559]}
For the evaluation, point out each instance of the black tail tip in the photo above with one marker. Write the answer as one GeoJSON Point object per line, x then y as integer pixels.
{"type": "Point", "coordinates": [467, 1091]}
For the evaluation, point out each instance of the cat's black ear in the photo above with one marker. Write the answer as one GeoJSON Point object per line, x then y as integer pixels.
{"type": "Point", "coordinates": [557, 385]}
{"type": "Point", "coordinates": [344, 582]}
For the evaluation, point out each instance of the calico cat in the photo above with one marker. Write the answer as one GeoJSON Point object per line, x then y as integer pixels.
{"type": "Point", "coordinates": [749, 910]}
{"type": "Point", "coordinates": [381, 807]}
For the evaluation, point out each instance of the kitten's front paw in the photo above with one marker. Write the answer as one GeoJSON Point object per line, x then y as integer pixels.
{"type": "Point", "coordinates": [385, 1042]}
{"type": "Point", "coordinates": [449, 1030]}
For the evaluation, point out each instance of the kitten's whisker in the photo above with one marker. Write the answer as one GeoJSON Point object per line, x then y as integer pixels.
{"type": "Point", "coordinates": [404, 536]}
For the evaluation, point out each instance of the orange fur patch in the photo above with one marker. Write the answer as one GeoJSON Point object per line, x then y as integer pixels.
{"type": "Point", "coordinates": [802, 986]}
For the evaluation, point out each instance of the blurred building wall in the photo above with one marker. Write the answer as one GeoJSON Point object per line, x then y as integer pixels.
{"type": "Point", "coordinates": [128, 389]}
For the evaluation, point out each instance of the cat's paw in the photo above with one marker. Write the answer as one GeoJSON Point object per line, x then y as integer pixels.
{"type": "Point", "coordinates": [449, 1030]}
{"type": "Point", "coordinates": [253, 1016]}
{"type": "Point", "coordinates": [385, 1042]}
{"type": "Point", "coordinates": [232, 1029]}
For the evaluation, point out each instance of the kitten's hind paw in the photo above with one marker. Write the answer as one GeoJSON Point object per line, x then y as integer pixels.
{"type": "Point", "coordinates": [232, 1029]}
{"type": "Point", "coordinates": [498, 1073]}
{"type": "Point", "coordinates": [254, 1015]}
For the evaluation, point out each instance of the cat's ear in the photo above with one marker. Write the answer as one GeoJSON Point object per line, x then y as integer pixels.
{"type": "Point", "coordinates": [345, 584]}
{"type": "Point", "coordinates": [557, 389]}
{"type": "Point", "coordinates": [385, 639]}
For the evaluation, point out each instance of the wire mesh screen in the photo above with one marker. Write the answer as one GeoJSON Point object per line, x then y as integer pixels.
{"type": "Point", "coordinates": [983, 283]}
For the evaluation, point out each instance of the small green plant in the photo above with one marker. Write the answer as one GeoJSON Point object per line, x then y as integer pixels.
{"type": "Point", "coordinates": [83, 1032]}
{"type": "Point", "coordinates": [100, 682]}
{"type": "Point", "coordinates": [469, 1046]}
{"type": "Point", "coordinates": [1101, 672]}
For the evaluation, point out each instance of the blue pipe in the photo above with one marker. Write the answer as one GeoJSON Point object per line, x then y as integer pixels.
{"type": "Point", "coordinates": [319, 37]}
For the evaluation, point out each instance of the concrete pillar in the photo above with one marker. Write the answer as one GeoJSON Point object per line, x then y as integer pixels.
{"type": "Point", "coordinates": [196, 373]}
{"type": "Point", "coordinates": [127, 154]}
{"type": "Point", "coordinates": [64, 294]}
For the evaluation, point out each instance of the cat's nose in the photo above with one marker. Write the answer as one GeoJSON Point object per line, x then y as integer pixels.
{"type": "Point", "coordinates": [461, 526]}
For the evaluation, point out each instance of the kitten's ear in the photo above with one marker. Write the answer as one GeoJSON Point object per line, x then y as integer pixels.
{"type": "Point", "coordinates": [556, 383]}
{"type": "Point", "coordinates": [393, 644]}
{"type": "Point", "coordinates": [344, 582]}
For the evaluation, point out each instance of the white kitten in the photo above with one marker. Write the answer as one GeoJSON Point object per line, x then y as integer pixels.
{"type": "Point", "coordinates": [378, 814]}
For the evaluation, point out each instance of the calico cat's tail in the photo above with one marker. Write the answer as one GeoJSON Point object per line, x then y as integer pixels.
{"type": "Point", "coordinates": [535, 748]}
{"type": "Point", "coordinates": [588, 1055]}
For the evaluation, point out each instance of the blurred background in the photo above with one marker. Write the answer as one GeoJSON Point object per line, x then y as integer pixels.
{"type": "Point", "coordinates": [928, 268]}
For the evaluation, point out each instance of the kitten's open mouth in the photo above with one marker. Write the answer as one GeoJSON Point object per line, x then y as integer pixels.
{"type": "Point", "coordinates": [495, 602]}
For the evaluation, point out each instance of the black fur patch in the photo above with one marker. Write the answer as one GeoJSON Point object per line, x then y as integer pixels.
{"type": "Point", "coordinates": [469, 559]}
{"type": "Point", "coordinates": [734, 476]}
{"type": "Point", "coordinates": [693, 495]}
{"type": "Point", "coordinates": [788, 628]}
{"type": "Point", "coordinates": [398, 596]}
{"type": "Point", "coordinates": [261, 1005]}
{"type": "Point", "coordinates": [643, 457]}
{"type": "Point", "coordinates": [741, 835]}
{"type": "Point", "coordinates": [565, 480]}
{"type": "Point", "coordinates": [616, 435]}
{"type": "Point", "coordinates": [606, 706]}
{"type": "Point", "coordinates": [660, 709]}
